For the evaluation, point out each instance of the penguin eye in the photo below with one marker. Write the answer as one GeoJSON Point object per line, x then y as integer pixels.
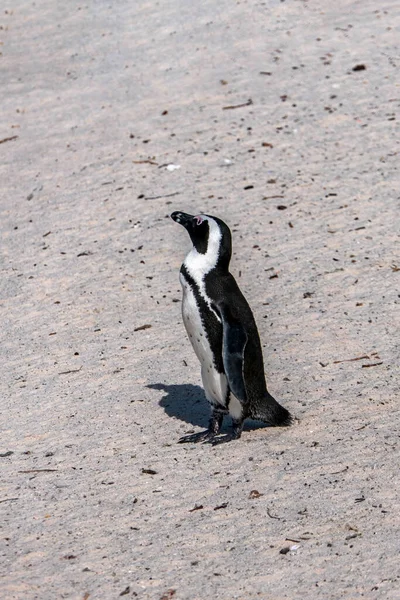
{"type": "Point", "coordinates": [199, 220]}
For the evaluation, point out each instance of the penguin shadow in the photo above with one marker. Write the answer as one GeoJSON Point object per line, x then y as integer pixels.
{"type": "Point", "coordinates": [188, 403]}
{"type": "Point", "coordinates": [185, 402]}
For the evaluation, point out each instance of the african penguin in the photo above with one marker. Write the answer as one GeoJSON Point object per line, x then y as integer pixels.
{"type": "Point", "coordinates": [222, 331]}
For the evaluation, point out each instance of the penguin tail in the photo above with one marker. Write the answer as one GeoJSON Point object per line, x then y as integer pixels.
{"type": "Point", "coordinates": [271, 412]}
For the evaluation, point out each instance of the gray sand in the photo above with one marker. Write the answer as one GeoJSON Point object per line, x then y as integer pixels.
{"type": "Point", "coordinates": [97, 497]}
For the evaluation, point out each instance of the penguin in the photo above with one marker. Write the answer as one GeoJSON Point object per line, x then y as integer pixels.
{"type": "Point", "coordinates": [223, 332]}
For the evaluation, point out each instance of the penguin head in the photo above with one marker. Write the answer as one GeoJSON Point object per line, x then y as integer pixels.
{"type": "Point", "coordinates": [210, 236]}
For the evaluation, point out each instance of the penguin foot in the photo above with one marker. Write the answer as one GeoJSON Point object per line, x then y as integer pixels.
{"type": "Point", "coordinates": [237, 428]}
{"type": "Point", "coordinates": [223, 439]}
{"type": "Point", "coordinates": [201, 436]}
{"type": "Point", "coordinates": [235, 434]}
{"type": "Point", "coordinates": [209, 434]}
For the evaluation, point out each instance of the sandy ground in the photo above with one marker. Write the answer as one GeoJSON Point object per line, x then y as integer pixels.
{"type": "Point", "coordinates": [97, 498]}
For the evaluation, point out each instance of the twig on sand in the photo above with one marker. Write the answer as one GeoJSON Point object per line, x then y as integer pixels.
{"type": "Point", "coordinates": [336, 362]}
{"type": "Point", "coordinates": [141, 327]}
{"type": "Point", "coordinates": [70, 371]}
{"type": "Point", "coordinates": [143, 162]}
{"type": "Point", "coordinates": [271, 516]}
{"type": "Point", "coordinates": [38, 471]}
{"type": "Point", "coordinates": [9, 139]}
{"type": "Point", "coordinates": [232, 106]}
{"type": "Point", "coordinates": [162, 196]}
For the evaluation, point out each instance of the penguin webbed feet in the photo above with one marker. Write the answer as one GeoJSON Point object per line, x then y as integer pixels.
{"type": "Point", "coordinates": [209, 437]}
{"type": "Point", "coordinates": [209, 434]}
{"type": "Point", "coordinates": [200, 436]}
{"type": "Point", "coordinates": [235, 434]}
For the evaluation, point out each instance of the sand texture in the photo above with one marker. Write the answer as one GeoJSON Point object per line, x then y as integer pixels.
{"type": "Point", "coordinates": [283, 118]}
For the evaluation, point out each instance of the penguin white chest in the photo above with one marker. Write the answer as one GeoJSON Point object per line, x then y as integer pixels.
{"type": "Point", "coordinates": [215, 384]}
{"type": "Point", "coordinates": [194, 325]}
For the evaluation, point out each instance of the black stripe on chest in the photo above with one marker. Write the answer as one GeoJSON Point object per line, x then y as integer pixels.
{"type": "Point", "coordinates": [211, 324]}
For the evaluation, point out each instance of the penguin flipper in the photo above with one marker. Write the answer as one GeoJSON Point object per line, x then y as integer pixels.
{"type": "Point", "coordinates": [233, 345]}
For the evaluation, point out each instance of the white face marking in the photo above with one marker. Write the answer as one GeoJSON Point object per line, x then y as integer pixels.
{"type": "Point", "coordinates": [198, 265]}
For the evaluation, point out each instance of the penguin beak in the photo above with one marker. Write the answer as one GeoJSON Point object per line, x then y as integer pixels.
{"type": "Point", "coordinates": [182, 218]}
